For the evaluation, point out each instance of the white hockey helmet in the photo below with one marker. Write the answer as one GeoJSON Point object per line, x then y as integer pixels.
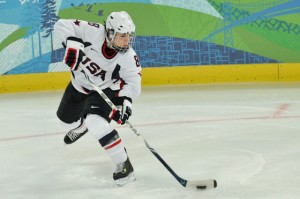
{"type": "Point", "coordinates": [119, 22]}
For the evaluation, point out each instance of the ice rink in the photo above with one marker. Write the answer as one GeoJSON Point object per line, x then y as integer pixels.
{"type": "Point", "coordinates": [246, 136]}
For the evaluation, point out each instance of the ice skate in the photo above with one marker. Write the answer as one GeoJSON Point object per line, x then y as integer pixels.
{"type": "Point", "coordinates": [75, 134]}
{"type": "Point", "coordinates": [124, 173]}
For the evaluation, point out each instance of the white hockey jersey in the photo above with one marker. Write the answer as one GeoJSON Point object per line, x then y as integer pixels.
{"type": "Point", "coordinates": [106, 67]}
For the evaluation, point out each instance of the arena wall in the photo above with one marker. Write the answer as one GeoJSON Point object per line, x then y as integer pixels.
{"type": "Point", "coordinates": [178, 41]}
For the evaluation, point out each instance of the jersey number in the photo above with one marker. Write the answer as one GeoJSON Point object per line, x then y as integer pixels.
{"type": "Point", "coordinates": [137, 61]}
{"type": "Point", "coordinates": [94, 24]}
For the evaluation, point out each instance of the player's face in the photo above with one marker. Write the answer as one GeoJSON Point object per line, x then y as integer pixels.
{"type": "Point", "coordinates": [122, 40]}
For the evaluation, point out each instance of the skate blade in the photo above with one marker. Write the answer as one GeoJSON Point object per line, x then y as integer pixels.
{"type": "Point", "coordinates": [123, 181]}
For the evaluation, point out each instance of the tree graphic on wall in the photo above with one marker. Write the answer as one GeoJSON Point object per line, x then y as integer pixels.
{"type": "Point", "coordinates": [31, 12]}
{"type": "Point", "coordinates": [49, 18]}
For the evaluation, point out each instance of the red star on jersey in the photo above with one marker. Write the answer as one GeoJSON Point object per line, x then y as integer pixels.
{"type": "Point", "coordinates": [76, 22]}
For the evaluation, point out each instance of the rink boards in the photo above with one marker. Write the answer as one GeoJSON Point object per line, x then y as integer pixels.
{"type": "Point", "coordinates": [165, 75]}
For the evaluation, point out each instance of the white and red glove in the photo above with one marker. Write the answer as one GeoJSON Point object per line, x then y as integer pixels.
{"type": "Point", "coordinates": [74, 52]}
{"type": "Point", "coordinates": [121, 116]}
{"type": "Point", "coordinates": [126, 111]}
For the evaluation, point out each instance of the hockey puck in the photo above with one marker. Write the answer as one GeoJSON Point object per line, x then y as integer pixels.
{"type": "Point", "coordinates": [201, 187]}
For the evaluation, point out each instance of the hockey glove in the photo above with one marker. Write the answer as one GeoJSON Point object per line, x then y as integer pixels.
{"type": "Point", "coordinates": [74, 52]}
{"type": "Point", "coordinates": [126, 111]}
{"type": "Point", "coordinates": [121, 116]}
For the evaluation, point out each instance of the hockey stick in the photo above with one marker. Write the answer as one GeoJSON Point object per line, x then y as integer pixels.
{"type": "Point", "coordinates": [198, 184]}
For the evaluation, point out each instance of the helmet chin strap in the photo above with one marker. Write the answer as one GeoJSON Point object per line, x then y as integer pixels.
{"type": "Point", "coordinates": [109, 43]}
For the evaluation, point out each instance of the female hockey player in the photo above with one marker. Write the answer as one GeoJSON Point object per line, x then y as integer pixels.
{"type": "Point", "coordinates": [104, 53]}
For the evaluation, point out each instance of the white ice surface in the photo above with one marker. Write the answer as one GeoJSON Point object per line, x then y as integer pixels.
{"type": "Point", "coordinates": [246, 136]}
